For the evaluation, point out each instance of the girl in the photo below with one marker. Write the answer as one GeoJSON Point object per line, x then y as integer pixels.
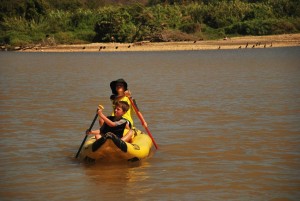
{"type": "Point", "coordinates": [120, 92]}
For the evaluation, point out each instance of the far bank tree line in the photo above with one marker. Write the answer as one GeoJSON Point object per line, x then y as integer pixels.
{"type": "Point", "coordinates": [24, 22]}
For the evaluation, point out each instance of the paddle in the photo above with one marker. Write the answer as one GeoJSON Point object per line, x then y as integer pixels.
{"type": "Point", "coordinates": [142, 121]}
{"type": "Point", "coordinates": [95, 118]}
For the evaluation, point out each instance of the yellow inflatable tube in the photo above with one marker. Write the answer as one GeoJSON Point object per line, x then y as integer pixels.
{"type": "Point", "coordinates": [111, 148]}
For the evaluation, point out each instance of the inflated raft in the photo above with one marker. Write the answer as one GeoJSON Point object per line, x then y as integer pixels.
{"type": "Point", "coordinates": [111, 148]}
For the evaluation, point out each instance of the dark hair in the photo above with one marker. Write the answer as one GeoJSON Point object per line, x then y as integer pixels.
{"type": "Point", "coordinates": [113, 85]}
{"type": "Point", "coordinates": [123, 104]}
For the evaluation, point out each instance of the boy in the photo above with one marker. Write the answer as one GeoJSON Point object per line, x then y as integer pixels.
{"type": "Point", "coordinates": [114, 124]}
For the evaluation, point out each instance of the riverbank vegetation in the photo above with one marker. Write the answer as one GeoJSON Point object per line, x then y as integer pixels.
{"type": "Point", "coordinates": [51, 22]}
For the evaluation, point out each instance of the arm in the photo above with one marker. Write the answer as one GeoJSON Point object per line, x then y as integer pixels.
{"type": "Point", "coordinates": [93, 132]}
{"type": "Point", "coordinates": [105, 119]}
{"type": "Point", "coordinates": [144, 123]}
{"type": "Point", "coordinates": [139, 114]}
{"type": "Point", "coordinates": [101, 122]}
{"type": "Point", "coordinates": [128, 94]}
{"type": "Point", "coordinates": [128, 136]}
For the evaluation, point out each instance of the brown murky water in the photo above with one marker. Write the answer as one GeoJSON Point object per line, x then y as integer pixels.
{"type": "Point", "coordinates": [227, 124]}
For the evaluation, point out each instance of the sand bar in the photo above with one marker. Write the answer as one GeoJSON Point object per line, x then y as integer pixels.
{"type": "Point", "coordinates": [285, 40]}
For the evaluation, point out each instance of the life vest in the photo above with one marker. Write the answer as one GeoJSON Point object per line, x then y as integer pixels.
{"type": "Point", "coordinates": [117, 130]}
{"type": "Point", "coordinates": [128, 115]}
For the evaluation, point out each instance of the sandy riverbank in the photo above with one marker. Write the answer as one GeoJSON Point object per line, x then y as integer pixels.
{"type": "Point", "coordinates": [285, 40]}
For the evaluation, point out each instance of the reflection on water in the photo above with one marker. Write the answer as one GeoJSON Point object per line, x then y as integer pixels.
{"type": "Point", "coordinates": [124, 176]}
{"type": "Point", "coordinates": [227, 124]}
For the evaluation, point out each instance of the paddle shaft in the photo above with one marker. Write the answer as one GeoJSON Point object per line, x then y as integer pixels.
{"type": "Point", "coordinates": [95, 118]}
{"type": "Point", "coordinates": [142, 121]}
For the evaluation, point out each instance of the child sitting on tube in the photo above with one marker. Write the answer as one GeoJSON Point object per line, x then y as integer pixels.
{"type": "Point", "coordinates": [114, 124]}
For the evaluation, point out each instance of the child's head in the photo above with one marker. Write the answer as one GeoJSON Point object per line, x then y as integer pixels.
{"type": "Point", "coordinates": [118, 86]}
{"type": "Point", "coordinates": [121, 107]}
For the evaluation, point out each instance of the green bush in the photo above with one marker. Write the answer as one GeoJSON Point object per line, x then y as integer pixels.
{"type": "Point", "coordinates": [17, 39]}
{"type": "Point", "coordinates": [258, 12]}
{"type": "Point", "coordinates": [282, 27]}
{"type": "Point", "coordinates": [86, 36]}
{"type": "Point", "coordinates": [190, 27]}
{"type": "Point", "coordinates": [261, 27]}
{"type": "Point", "coordinates": [285, 8]}
{"type": "Point", "coordinates": [27, 22]}
{"type": "Point", "coordinates": [113, 25]}
{"type": "Point", "coordinates": [58, 21]}
{"type": "Point", "coordinates": [83, 19]}
{"type": "Point", "coordinates": [65, 38]}
{"type": "Point", "coordinates": [296, 23]}
{"type": "Point", "coordinates": [222, 13]}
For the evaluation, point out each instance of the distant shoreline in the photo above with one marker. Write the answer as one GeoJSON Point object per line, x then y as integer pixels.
{"type": "Point", "coordinates": [284, 40]}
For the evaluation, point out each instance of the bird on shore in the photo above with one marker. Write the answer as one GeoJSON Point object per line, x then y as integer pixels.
{"type": "Point", "coordinates": [271, 44]}
{"type": "Point", "coordinates": [253, 46]}
{"type": "Point", "coordinates": [129, 46]}
{"type": "Point", "coordinates": [219, 47]}
{"type": "Point", "coordinates": [100, 48]}
{"type": "Point", "coordinates": [117, 47]}
{"type": "Point", "coordinates": [83, 47]}
{"type": "Point", "coordinates": [240, 47]}
{"type": "Point", "coordinates": [247, 45]}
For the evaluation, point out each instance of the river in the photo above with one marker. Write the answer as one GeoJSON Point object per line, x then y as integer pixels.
{"type": "Point", "coordinates": [227, 123]}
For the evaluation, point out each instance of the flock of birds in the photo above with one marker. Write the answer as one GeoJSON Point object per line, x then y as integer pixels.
{"type": "Point", "coordinates": [257, 44]}
{"type": "Point", "coordinates": [240, 47]}
{"type": "Point", "coordinates": [104, 47]}
{"type": "Point", "coordinates": [253, 46]}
